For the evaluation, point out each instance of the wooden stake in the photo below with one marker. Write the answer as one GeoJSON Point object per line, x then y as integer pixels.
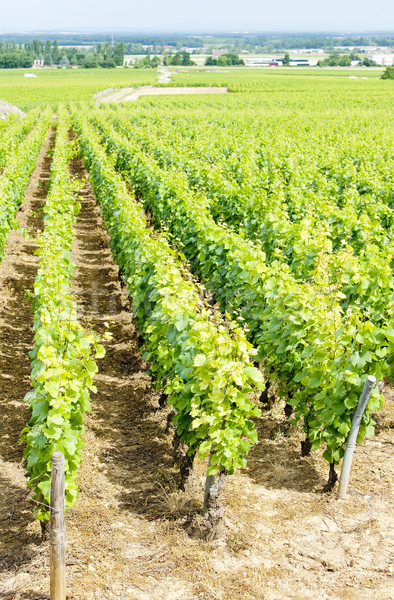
{"type": "Point", "coordinates": [58, 529]}
{"type": "Point", "coordinates": [352, 439]}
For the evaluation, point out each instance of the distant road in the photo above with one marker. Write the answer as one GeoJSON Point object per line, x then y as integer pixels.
{"type": "Point", "coordinates": [131, 94]}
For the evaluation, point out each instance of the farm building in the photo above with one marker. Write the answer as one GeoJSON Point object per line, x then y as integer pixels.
{"type": "Point", "coordinates": [264, 62]}
{"type": "Point", "coordinates": [385, 60]}
{"type": "Point", "coordinates": [300, 62]}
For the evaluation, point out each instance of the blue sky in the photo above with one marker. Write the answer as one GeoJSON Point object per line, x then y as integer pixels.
{"type": "Point", "coordinates": [203, 15]}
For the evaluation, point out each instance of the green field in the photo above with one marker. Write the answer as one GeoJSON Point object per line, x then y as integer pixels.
{"type": "Point", "coordinates": [53, 86]}
{"type": "Point", "coordinates": [65, 85]}
{"type": "Point", "coordinates": [292, 79]}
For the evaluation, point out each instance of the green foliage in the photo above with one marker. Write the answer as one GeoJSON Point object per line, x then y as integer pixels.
{"type": "Point", "coordinates": [18, 161]}
{"type": "Point", "coordinates": [345, 60]}
{"type": "Point", "coordinates": [14, 131]}
{"type": "Point", "coordinates": [341, 244]}
{"type": "Point", "coordinates": [388, 73]}
{"type": "Point", "coordinates": [90, 62]}
{"type": "Point", "coordinates": [320, 355]}
{"type": "Point", "coordinates": [199, 360]}
{"type": "Point", "coordinates": [15, 60]}
{"type": "Point", "coordinates": [226, 60]}
{"type": "Point", "coordinates": [147, 62]}
{"type": "Point", "coordinates": [119, 54]}
{"type": "Point", "coordinates": [282, 203]}
{"type": "Point", "coordinates": [63, 362]}
{"type": "Point", "coordinates": [181, 59]}
{"type": "Point", "coordinates": [229, 60]}
{"type": "Point", "coordinates": [329, 87]}
{"type": "Point", "coordinates": [108, 63]}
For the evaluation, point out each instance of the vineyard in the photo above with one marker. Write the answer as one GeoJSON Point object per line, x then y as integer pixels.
{"type": "Point", "coordinates": [197, 290]}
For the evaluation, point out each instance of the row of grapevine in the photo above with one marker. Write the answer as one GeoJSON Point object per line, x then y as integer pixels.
{"type": "Point", "coordinates": [320, 358]}
{"type": "Point", "coordinates": [302, 172]}
{"type": "Point", "coordinates": [15, 177]}
{"type": "Point", "coordinates": [198, 359]}
{"type": "Point", "coordinates": [301, 158]}
{"type": "Point", "coordinates": [63, 358]}
{"type": "Point", "coordinates": [12, 135]}
{"type": "Point", "coordinates": [360, 266]}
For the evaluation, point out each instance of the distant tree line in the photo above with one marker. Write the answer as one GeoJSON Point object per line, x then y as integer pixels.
{"type": "Point", "coordinates": [147, 62]}
{"type": "Point", "coordinates": [345, 60]}
{"type": "Point", "coordinates": [105, 55]}
{"type": "Point", "coordinates": [309, 41]}
{"type": "Point", "coordinates": [226, 60]}
{"type": "Point", "coordinates": [19, 50]}
{"type": "Point", "coordinates": [181, 59]}
{"type": "Point", "coordinates": [76, 39]}
{"type": "Point", "coordinates": [13, 55]}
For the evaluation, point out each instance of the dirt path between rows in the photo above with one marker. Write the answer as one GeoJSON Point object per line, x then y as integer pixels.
{"type": "Point", "coordinates": [129, 536]}
{"type": "Point", "coordinates": [131, 94]}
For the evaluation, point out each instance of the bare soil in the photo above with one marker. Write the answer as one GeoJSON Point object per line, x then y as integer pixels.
{"type": "Point", "coordinates": [131, 94]}
{"type": "Point", "coordinates": [132, 534]}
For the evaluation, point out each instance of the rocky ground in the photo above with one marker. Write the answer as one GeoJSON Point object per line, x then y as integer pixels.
{"type": "Point", "coordinates": [6, 109]}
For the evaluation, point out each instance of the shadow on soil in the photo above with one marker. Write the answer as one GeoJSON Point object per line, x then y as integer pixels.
{"type": "Point", "coordinates": [17, 545]}
{"type": "Point", "coordinates": [276, 462]}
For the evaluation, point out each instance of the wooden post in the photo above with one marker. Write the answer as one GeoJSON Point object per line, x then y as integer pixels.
{"type": "Point", "coordinates": [352, 439]}
{"type": "Point", "coordinates": [58, 529]}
